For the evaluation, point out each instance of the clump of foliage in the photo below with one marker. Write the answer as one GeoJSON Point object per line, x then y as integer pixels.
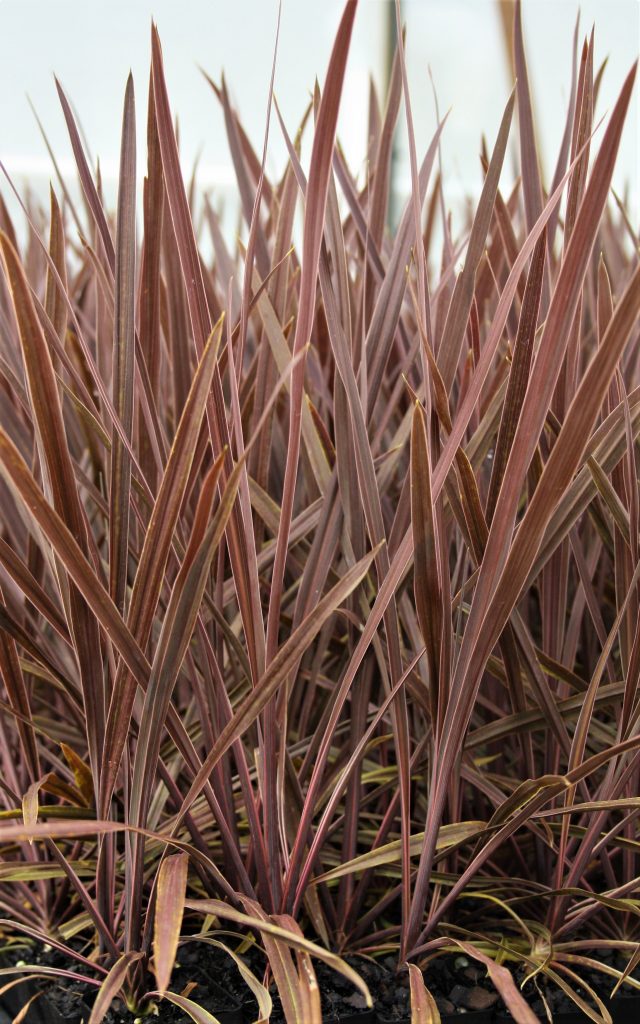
{"type": "Point", "coordinates": [319, 564]}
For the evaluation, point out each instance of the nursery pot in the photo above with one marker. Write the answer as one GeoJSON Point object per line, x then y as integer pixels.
{"type": "Point", "coordinates": [41, 1010]}
{"type": "Point", "coordinates": [357, 1017]}
{"type": "Point", "coordinates": [470, 1017]}
{"type": "Point", "coordinates": [624, 1009]}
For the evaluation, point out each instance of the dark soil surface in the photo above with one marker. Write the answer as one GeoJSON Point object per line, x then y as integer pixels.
{"type": "Point", "coordinates": [625, 1007]}
{"type": "Point", "coordinates": [460, 986]}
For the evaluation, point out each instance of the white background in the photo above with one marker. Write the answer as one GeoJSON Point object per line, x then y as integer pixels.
{"type": "Point", "coordinates": [92, 44]}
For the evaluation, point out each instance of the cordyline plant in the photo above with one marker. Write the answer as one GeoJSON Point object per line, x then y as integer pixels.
{"type": "Point", "coordinates": [319, 621]}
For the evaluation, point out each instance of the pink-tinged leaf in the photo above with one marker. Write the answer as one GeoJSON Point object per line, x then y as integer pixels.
{"type": "Point", "coordinates": [531, 184]}
{"type": "Point", "coordinates": [150, 281]}
{"type": "Point", "coordinates": [384, 320]}
{"type": "Point", "coordinates": [14, 683]}
{"type": "Point", "coordinates": [178, 206]}
{"type": "Point", "coordinates": [479, 636]}
{"type": "Point", "coordinates": [424, 307]}
{"type": "Point", "coordinates": [316, 200]}
{"type": "Point", "coordinates": [12, 628]}
{"type": "Point", "coordinates": [177, 628]}
{"type": "Point", "coordinates": [309, 988]}
{"type": "Point", "coordinates": [197, 1013]}
{"type": "Point", "coordinates": [123, 354]}
{"type": "Point", "coordinates": [201, 323]}
{"type": "Point", "coordinates": [88, 185]}
{"type": "Point", "coordinates": [149, 577]}
{"type": "Point", "coordinates": [581, 132]}
{"type": "Point", "coordinates": [54, 303]}
{"type": "Point", "coordinates": [423, 1006]}
{"type": "Point", "coordinates": [565, 455]}
{"type": "Point", "coordinates": [558, 472]}
{"type": "Point", "coordinates": [548, 361]}
{"type": "Point", "coordinates": [519, 373]}
{"type": "Point", "coordinates": [381, 173]}
{"type": "Point", "coordinates": [448, 353]}
{"type": "Point", "coordinates": [280, 955]}
{"type": "Point", "coordinates": [111, 986]}
{"type": "Point", "coordinates": [37, 971]}
{"type": "Point", "coordinates": [261, 994]}
{"type": "Point", "coordinates": [60, 483]}
{"type": "Point", "coordinates": [502, 978]}
{"type": "Point", "coordinates": [259, 921]}
{"type": "Point", "coordinates": [31, 589]}
{"type": "Point", "coordinates": [18, 475]}
{"type": "Point", "coordinates": [288, 655]}
{"type": "Point", "coordinates": [427, 586]}
{"type": "Point", "coordinates": [171, 891]}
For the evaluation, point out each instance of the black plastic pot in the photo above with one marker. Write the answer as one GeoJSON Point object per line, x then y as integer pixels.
{"type": "Point", "coordinates": [625, 1009]}
{"type": "Point", "coordinates": [470, 1017]}
{"type": "Point", "coordinates": [358, 1017]}
{"type": "Point", "coordinates": [42, 1010]}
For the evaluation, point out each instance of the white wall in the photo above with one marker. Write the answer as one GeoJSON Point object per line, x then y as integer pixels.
{"type": "Point", "coordinates": [91, 44]}
{"type": "Point", "coordinates": [462, 42]}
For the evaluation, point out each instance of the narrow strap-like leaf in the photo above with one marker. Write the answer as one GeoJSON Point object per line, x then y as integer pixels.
{"type": "Point", "coordinates": [60, 482]}
{"type": "Point", "coordinates": [111, 986]}
{"type": "Point", "coordinates": [171, 888]}
{"type": "Point", "coordinates": [288, 655]}
{"type": "Point", "coordinates": [423, 1006]}
{"type": "Point", "coordinates": [123, 354]}
{"type": "Point", "coordinates": [427, 586]}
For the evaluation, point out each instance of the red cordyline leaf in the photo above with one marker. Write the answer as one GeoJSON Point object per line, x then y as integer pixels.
{"type": "Point", "coordinates": [487, 616]}
{"type": "Point", "coordinates": [297, 764]}
{"type": "Point", "coordinates": [424, 312]}
{"type": "Point", "coordinates": [384, 319]}
{"type": "Point", "coordinates": [531, 184]}
{"type": "Point", "coordinates": [149, 577]}
{"type": "Point", "coordinates": [177, 628]}
{"type": "Point", "coordinates": [111, 986]}
{"type": "Point", "coordinates": [448, 354]}
{"type": "Point", "coordinates": [197, 1013]}
{"type": "Point", "coordinates": [89, 364]}
{"type": "Point", "coordinates": [427, 584]}
{"type": "Point", "coordinates": [278, 928]}
{"type": "Point", "coordinates": [170, 896]}
{"type": "Point", "coordinates": [519, 373]}
{"type": "Point", "coordinates": [316, 199]}
{"type": "Point", "coordinates": [403, 555]}
{"type": "Point", "coordinates": [86, 180]}
{"type": "Point", "coordinates": [580, 737]}
{"type": "Point", "coordinates": [13, 679]}
{"type": "Point", "coordinates": [369, 498]}
{"type": "Point", "coordinates": [424, 1009]}
{"type": "Point", "coordinates": [150, 286]}
{"type": "Point", "coordinates": [58, 472]}
{"type": "Point", "coordinates": [288, 654]}
{"type": "Point", "coordinates": [70, 554]}
{"type": "Point", "coordinates": [201, 324]}
{"type": "Point", "coordinates": [123, 353]}
{"type": "Point", "coordinates": [54, 297]}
